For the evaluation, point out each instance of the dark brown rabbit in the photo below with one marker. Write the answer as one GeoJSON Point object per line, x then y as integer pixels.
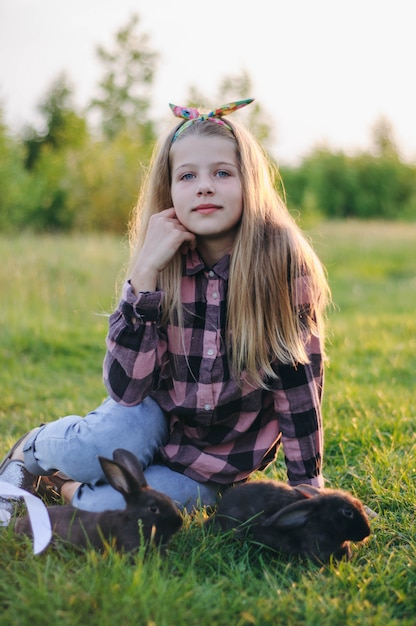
{"type": "Point", "coordinates": [149, 514]}
{"type": "Point", "coordinates": [254, 502]}
{"type": "Point", "coordinates": [302, 520]}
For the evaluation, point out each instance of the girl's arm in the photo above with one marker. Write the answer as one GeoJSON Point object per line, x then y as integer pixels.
{"type": "Point", "coordinates": [298, 404]}
{"type": "Point", "coordinates": [135, 346]}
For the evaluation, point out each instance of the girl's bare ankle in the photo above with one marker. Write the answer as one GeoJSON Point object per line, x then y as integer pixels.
{"type": "Point", "coordinates": [68, 490]}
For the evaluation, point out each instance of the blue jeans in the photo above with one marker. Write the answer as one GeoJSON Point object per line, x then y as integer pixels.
{"type": "Point", "coordinates": [72, 444]}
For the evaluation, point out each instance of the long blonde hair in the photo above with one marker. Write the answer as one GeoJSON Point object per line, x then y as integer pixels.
{"type": "Point", "coordinates": [277, 290]}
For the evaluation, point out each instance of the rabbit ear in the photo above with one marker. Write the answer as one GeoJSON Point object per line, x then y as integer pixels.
{"type": "Point", "coordinates": [292, 516]}
{"type": "Point", "coordinates": [308, 490]}
{"type": "Point", "coordinates": [124, 473]}
{"type": "Point", "coordinates": [132, 464]}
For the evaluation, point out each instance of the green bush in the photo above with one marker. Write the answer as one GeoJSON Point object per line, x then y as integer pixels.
{"type": "Point", "coordinates": [364, 186]}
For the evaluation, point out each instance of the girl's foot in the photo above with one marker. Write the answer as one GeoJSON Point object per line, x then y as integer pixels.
{"type": "Point", "coordinates": [14, 472]}
{"type": "Point", "coordinates": [57, 487]}
{"type": "Point", "coordinates": [12, 467]}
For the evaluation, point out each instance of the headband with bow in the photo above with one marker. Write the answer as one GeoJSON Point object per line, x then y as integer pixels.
{"type": "Point", "coordinates": [193, 115]}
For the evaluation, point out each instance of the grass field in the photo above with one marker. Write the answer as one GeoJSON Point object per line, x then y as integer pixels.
{"type": "Point", "coordinates": [55, 295]}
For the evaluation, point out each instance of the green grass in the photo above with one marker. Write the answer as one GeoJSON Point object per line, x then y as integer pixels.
{"type": "Point", "coordinates": [56, 292]}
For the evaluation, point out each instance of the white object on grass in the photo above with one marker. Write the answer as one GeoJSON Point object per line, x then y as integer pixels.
{"type": "Point", "coordinates": [38, 514]}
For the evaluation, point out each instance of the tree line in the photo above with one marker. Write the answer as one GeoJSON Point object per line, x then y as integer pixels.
{"type": "Point", "coordinates": [81, 170]}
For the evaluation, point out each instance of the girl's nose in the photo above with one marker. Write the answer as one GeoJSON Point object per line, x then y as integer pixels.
{"type": "Point", "coordinates": [205, 188]}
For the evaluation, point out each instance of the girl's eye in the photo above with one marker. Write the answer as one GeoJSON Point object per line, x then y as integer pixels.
{"type": "Point", "coordinates": [187, 176]}
{"type": "Point", "coordinates": [222, 174]}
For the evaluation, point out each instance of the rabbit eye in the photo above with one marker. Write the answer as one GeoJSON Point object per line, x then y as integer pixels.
{"type": "Point", "coordinates": [348, 512]}
{"type": "Point", "coordinates": [153, 509]}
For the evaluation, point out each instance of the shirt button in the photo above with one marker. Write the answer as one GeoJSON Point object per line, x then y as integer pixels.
{"type": "Point", "coordinates": [214, 295]}
{"type": "Point", "coordinates": [210, 352]}
{"type": "Point", "coordinates": [207, 407]}
{"type": "Point", "coordinates": [211, 274]}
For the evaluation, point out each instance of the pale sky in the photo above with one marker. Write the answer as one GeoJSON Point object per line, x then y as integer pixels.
{"type": "Point", "coordinates": [323, 70]}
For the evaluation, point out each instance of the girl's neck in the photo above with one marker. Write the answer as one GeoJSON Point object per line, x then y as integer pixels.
{"type": "Point", "coordinates": [212, 251]}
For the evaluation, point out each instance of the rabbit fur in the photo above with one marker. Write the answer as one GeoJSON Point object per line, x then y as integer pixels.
{"type": "Point", "coordinates": [159, 517]}
{"type": "Point", "coordinates": [301, 520]}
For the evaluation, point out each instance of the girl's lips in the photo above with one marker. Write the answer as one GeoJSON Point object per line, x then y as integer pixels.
{"type": "Point", "coordinates": [206, 208]}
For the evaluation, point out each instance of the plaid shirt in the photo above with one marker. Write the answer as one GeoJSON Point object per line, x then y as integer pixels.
{"type": "Point", "coordinates": [219, 431]}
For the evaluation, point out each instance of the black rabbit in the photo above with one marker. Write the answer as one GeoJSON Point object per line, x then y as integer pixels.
{"type": "Point", "coordinates": [149, 514]}
{"type": "Point", "coordinates": [300, 520]}
{"type": "Point", "coordinates": [254, 502]}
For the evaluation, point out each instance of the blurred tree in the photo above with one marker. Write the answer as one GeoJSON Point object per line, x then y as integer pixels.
{"type": "Point", "coordinates": [14, 181]}
{"type": "Point", "coordinates": [364, 186]}
{"type": "Point", "coordinates": [385, 187]}
{"type": "Point", "coordinates": [62, 127]}
{"type": "Point", "coordinates": [383, 140]}
{"type": "Point", "coordinates": [71, 179]}
{"type": "Point", "coordinates": [103, 180]}
{"type": "Point", "coordinates": [46, 151]}
{"type": "Point", "coordinates": [125, 88]}
{"type": "Point", "coordinates": [328, 178]}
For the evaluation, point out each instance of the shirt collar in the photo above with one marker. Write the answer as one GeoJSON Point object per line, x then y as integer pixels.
{"type": "Point", "coordinates": [194, 264]}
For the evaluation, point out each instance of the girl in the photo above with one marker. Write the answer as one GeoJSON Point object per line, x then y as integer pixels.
{"type": "Point", "coordinates": [215, 352]}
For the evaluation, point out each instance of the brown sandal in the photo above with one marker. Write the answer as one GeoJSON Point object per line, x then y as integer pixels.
{"type": "Point", "coordinates": [49, 488]}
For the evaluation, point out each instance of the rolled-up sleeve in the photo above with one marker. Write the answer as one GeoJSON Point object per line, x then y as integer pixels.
{"type": "Point", "coordinates": [135, 346]}
{"type": "Point", "coordinates": [298, 404]}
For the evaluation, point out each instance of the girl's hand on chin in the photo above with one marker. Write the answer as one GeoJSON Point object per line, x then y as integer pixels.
{"type": "Point", "coordinates": [165, 236]}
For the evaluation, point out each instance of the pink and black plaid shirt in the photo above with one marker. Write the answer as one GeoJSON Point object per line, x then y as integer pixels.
{"type": "Point", "coordinates": [219, 431]}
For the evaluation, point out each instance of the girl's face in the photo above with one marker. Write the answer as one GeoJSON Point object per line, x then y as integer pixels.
{"type": "Point", "coordinates": [206, 187]}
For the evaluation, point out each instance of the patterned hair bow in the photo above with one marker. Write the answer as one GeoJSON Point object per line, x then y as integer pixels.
{"type": "Point", "coordinates": [191, 115]}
